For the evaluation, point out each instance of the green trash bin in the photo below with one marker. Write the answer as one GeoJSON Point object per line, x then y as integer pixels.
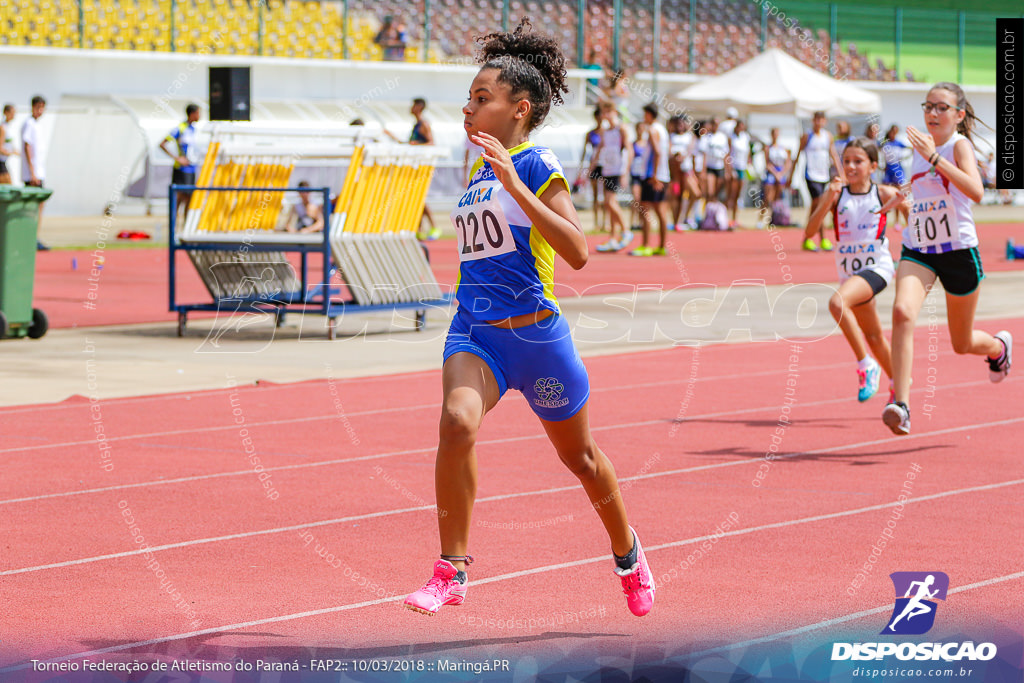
{"type": "Point", "coordinates": [19, 224]}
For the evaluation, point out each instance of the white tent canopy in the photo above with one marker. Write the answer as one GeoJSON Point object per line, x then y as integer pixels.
{"type": "Point", "coordinates": [775, 83]}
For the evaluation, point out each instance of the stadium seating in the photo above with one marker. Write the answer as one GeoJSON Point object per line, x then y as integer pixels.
{"type": "Point", "coordinates": [727, 32]}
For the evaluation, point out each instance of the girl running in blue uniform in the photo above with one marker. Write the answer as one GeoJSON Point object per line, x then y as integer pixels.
{"type": "Point", "coordinates": [515, 216]}
{"type": "Point", "coordinates": [863, 259]}
{"type": "Point", "coordinates": [941, 242]}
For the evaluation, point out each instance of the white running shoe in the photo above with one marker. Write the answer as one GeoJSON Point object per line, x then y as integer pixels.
{"type": "Point", "coordinates": [999, 369]}
{"type": "Point", "coordinates": [896, 417]}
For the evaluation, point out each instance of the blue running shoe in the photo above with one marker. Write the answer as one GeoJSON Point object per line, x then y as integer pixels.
{"type": "Point", "coordinates": [868, 381]}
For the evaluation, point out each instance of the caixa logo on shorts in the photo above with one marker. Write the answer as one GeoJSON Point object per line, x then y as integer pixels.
{"type": "Point", "coordinates": [549, 393]}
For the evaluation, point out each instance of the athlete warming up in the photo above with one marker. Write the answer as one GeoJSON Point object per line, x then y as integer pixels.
{"type": "Point", "coordinates": [941, 242]}
{"type": "Point", "coordinates": [862, 258]}
{"type": "Point", "coordinates": [514, 217]}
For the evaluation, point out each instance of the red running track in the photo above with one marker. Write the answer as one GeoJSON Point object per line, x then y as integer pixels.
{"type": "Point", "coordinates": [132, 286]}
{"type": "Point", "coordinates": [313, 553]}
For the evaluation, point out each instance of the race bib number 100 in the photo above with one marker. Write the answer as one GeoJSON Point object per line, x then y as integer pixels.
{"type": "Point", "coordinates": [853, 257]}
{"type": "Point", "coordinates": [480, 224]}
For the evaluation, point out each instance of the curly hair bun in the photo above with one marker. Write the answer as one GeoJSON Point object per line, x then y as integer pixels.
{"type": "Point", "coordinates": [530, 63]}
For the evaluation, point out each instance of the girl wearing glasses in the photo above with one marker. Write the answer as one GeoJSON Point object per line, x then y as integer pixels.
{"type": "Point", "coordinates": [941, 242]}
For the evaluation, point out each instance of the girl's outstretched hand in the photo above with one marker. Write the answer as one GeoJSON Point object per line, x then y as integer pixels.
{"type": "Point", "coordinates": [901, 196]}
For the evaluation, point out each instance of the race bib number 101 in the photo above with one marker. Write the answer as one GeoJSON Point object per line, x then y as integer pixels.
{"type": "Point", "coordinates": [932, 222]}
{"type": "Point", "coordinates": [480, 224]}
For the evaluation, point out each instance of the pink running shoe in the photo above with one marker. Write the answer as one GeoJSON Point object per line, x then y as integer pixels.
{"type": "Point", "coordinates": [637, 582]}
{"type": "Point", "coordinates": [442, 589]}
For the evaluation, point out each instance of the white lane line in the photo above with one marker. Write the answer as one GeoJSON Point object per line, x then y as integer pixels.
{"type": "Point", "coordinates": [840, 620]}
{"type": "Point", "coordinates": [681, 381]}
{"type": "Point", "coordinates": [555, 567]}
{"type": "Point", "coordinates": [381, 411]}
{"type": "Point", "coordinates": [421, 508]}
{"type": "Point", "coordinates": [429, 449]}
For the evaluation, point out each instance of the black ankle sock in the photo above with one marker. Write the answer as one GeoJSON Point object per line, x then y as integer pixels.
{"type": "Point", "coordinates": [461, 577]}
{"type": "Point", "coordinates": [629, 560]}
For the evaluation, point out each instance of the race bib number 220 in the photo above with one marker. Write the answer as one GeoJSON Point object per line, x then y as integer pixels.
{"type": "Point", "coordinates": [480, 224]}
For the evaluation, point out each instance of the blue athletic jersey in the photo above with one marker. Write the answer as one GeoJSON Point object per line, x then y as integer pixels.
{"type": "Point", "coordinates": [507, 267]}
{"type": "Point", "coordinates": [185, 136]}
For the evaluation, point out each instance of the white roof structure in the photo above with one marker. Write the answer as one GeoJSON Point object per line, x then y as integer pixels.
{"type": "Point", "coordinates": [775, 83]}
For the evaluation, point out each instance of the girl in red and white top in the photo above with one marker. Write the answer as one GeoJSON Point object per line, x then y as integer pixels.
{"type": "Point", "coordinates": [863, 260]}
{"type": "Point", "coordinates": [941, 242]}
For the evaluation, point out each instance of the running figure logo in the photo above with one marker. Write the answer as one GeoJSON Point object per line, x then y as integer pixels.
{"type": "Point", "coordinates": [914, 613]}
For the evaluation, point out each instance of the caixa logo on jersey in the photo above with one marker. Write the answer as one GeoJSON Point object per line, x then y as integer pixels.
{"type": "Point", "coordinates": [914, 613]}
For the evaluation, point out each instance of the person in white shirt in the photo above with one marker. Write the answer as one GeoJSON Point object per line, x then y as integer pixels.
{"type": "Point", "coordinates": [33, 156]}
{"type": "Point", "coordinates": [610, 156]}
{"type": "Point", "coordinates": [683, 148]}
{"type": "Point", "coordinates": [740, 158]}
{"type": "Point", "coordinates": [652, 192]}
{"type": "Point", "coordinates": [820, 150]}
{"type": "Point", "coordinates": [777, 165]}
{"type": "Point", "coordinates": [716, 153]}
{"type": "Point", "coordinates": [728, 126]}
{"type": "Point", "coordinates": [7, 148]}
{"type": "Point", "coordinates": [33, 159]}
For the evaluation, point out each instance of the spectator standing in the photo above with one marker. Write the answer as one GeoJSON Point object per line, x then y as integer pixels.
{"type": "Point", "coordinates": [778, 162]}
{"type": "Point", "coordinates": [740, 155]}
{"type": "Point", "coordinates": [185, 154]}
{"type": "Point", "coordinates": [33, 154]}
{"type": "Point", "coordinates": [611, 156]}
{"type": "Point", "coordinates": [33, 159]}
{"type": "Point", "coordinates": [895, 151]}
{"type": "Point", "coordinates": [656, 178]}
{"type": "Point", "coordinates": [422, 134]}
{"type": "Point", "coordinates": [842, 139]}
{"type": "Point", "coordinates": [729, 124]}
{"type": "Point", "coordinates": [392, 39]}
{"type": "Point", "coordinates": [820, 149]}
{"type": "Point", "coordinates": [7, 148]}
{"type": "Point", "coordinates": [716, 153]}
{"type": "Point", "coordinates": [590, 144]}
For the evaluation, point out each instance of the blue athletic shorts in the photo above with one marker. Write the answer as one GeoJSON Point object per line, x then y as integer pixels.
{"type": "Point", "coordinates": [540, 360]}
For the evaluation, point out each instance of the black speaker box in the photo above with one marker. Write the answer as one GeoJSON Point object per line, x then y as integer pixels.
{"type": "Point", "coordinates": [230, 93]}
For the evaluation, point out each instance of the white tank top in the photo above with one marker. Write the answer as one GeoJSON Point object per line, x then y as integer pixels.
{"type": "Point", "coordinates": [941, 219]}
{"type": "Point", "coordinates": [682, 144]}
{"type": "Point", "coordinates": [740, 143]}
{"type": "Point", "coordinates": [661, 172]}
{"type": "Point", "coordinates": [854, 217]}
{"type": "Point", "coordinates": [817, 151]}
{"type": "Point", "coordinates": [717, 150]}
{"type": "Point", "coordinates": [860, 233]}
{"type": "Point", "coordinates": [700, 150]}
{"type": "Point", "coordinates": [777, 156]}
{"type": "Point", "coordinates": [611, 152]}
